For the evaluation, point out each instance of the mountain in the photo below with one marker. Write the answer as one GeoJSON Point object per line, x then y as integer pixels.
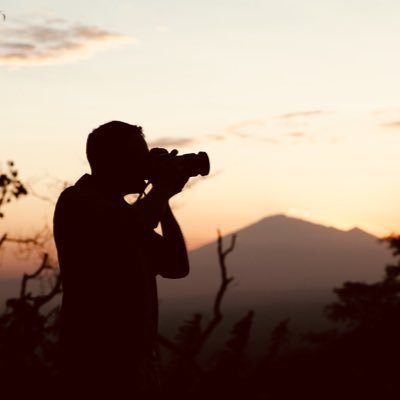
{"type": "Point", "coordinates": [282, 267]}
{"type": "Point", "coordinates": [284, 254]}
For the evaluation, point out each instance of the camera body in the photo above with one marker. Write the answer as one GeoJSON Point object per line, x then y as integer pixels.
{"type": "Point", "coordinates": [191, 164]}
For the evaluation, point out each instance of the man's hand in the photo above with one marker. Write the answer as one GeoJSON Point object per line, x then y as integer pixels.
{"type": "Point", "coordinates": [171, 177]}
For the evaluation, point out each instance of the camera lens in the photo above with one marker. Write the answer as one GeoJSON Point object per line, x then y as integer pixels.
{"type": "Point", "coordinates": [195, 164]}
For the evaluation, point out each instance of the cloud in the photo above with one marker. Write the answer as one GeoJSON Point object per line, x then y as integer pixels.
{"type": "Point", "coordinates": [385, 111]}
{"type": "Point", "coordinates": [298, 114]}
{"type": "Point", "coordinates": [297, 134]}
{"type": "Point", "coordinates": [217, 137]}
{"type": "Point", "coordinates": [241, 129]}
{"type": "Point", "coordinates": [54, 41]}
{"type": "Point", "coordinates": [316, 138]}
{"type": "Point", "coordinates": [393, 124]}
{"type": "Point", "coordinates": [172, 142]}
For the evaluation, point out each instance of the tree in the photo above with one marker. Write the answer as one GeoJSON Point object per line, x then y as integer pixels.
{"type": "Point", "coordinates": [361, 305]}
{"type": "Point", "coordinates": [29, 330]}
{"type": "Point", "coordinates": [10, 188]}
{"type": "Point", "coordinates": [361, 354]}
{"type": "Point", "coordinates": [28, 326]}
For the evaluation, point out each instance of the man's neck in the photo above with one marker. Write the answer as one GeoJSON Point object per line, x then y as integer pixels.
{"type": "Point", "coordinates": [105, 186]}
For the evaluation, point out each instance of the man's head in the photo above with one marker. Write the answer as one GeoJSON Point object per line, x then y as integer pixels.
{"type": "Point", "coordinates": [116, 152]}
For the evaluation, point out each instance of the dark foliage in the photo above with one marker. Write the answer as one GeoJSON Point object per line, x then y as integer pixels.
{"type": "Point", "coordinates": [10, 185]}
{"type": "Point", "coordinates": [360, 356]}
{"type": "Point", "coordinates": [29, 335]}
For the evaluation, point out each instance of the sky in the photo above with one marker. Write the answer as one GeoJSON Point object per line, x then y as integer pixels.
{"type": "Point", "coordinates": [296, 103]}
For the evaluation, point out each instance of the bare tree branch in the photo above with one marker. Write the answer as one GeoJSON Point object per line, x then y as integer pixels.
{"type": "Point", "coordinates": [168, 344]}
{"type": "Point", "coordinates": [225, 281]}
{"type": "Point", "coordinates": [3, 239]}
{"type": "Point", "coordinates": [217, 314]}
{"type": "Point", "coordinates": [35, 302]}
{"type": "Point", "coordinates": [27, 277]}
{"type": "Point", "coordinates": [39, 301]}
{"type": "Point", "coordinates": [37, 242]}
{"type": "Point", "coordinates": [56, 186]}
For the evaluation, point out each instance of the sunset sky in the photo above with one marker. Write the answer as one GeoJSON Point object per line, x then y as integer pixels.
{"type": "Point", "coordinates": [296, 102]}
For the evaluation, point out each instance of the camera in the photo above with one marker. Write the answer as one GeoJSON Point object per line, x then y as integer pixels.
{"type": "Point", "coordinates": [191, 164]}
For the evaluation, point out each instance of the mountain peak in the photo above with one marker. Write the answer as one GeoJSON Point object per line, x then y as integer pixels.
{"type": "Point", "coordinates": [281, 218]}
{"type": "Point", "coordinates": [277, 216]}
{"type": "Point", "coordinates": [357, 231]}
{"type": "Point", "coordinates": [287, 219]}
{"type": "Point", "coordinates": [281, 227]}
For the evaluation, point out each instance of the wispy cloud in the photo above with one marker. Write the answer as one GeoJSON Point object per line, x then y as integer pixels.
{"type": "Point", "coordinates": [242, 129]}
{"type": "Point", "coordinates": [385, 111]}
{"type": "Point", "coordinates": [216, 137]}
{"type": "Point", "coordinates": [297, 134]}
{"type": "Point", "coordinates": [287, 128]}
{"type": "Point", "coordinates": [172, 142]}
{"type": "Point", "coordinates": [393, 124]}
{"type": "Point", "coordinates": [298, 114]}
{"type": "Point", "coordinates": [54, 41]}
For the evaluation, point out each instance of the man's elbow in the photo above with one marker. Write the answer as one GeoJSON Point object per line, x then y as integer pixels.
{"type": "Point", "coordinates": [183, 273]}
{"type": "Point", "coordinates": [176, 273]}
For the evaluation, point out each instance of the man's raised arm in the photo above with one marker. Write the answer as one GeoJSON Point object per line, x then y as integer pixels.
{"type": "Point", "coordinates": [177, 263]}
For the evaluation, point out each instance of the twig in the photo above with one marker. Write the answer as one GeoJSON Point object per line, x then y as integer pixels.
{"type": "Point", "coordinates": [36, 242]}
{"type": "Point", "coordinates": [58, 185]}
{"type": "Point", "coordinates": [38, 301]}
{"type": "Point", "coordinates": [3, 239]}
{"type": "Point", "coordinates": [225, 281]}
{"type": "Point", "coordinates": [168, 344]}
{"type": "Point", "coordinates": [27, 277]}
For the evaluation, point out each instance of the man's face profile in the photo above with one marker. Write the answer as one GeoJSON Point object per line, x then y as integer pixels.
{"type": "Point", "coordinates": [129, 165]}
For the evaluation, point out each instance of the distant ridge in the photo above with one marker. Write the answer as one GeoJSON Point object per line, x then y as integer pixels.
{"type": "Point", "coordinates": [281, 222]}
{"type": "Point", "coordinates": [281, 253]}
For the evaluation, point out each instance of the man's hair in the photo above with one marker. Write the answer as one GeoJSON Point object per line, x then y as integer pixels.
{"type": "Point", "coordinates": [107, 141]}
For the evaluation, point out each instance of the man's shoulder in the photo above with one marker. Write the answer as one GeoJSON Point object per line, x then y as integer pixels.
{"type": "Point", "coordinates": [79, 193]}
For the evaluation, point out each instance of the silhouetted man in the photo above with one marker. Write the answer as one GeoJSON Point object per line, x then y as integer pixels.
{"type": "Point", "coordinates": [109, 256]}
